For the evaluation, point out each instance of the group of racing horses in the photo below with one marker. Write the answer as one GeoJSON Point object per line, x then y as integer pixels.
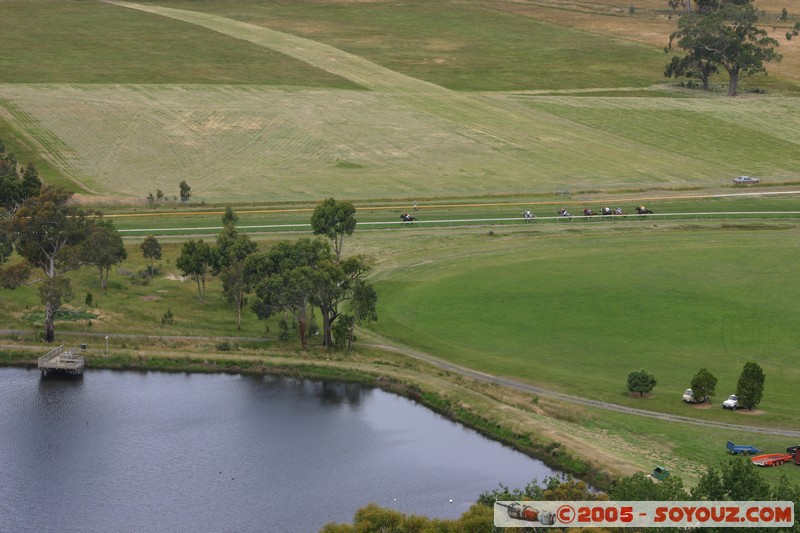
{"type": "Point", "coordinates": [529, 216]}
{"type": "Point", "coordinates": [606, 211]}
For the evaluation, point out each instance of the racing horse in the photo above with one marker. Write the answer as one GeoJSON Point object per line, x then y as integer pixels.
{"type": "Point", "coordinates": [642, 210]}
{"type": "Point", "coordinates": [528, 216]}
{"type": "Point", "coordinates": [407, 218]}
{"type": "Point", "coordinates": [588, 213]}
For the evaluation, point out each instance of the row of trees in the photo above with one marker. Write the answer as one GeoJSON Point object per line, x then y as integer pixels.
{"type": "Point", "coordinates": [185, 193]}
{"type": "Point", "coordinates": [749, 387]}
{"type": "Point", "coordinates": [719, 33]}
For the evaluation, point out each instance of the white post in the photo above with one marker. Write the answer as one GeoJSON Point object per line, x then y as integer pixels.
{"type": "Point", "coordinates": [106, 344]}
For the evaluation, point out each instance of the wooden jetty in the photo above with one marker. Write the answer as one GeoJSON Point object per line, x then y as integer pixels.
{"type": "Point", "coordinates": [61, 361]}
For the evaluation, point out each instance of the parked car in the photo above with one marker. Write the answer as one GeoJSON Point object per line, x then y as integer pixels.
{"type": "Point", "coordinates": [689, 397]}
{"type": "Point", "coordinates": [731, 403]}
{"type": "Point", "coordinates": [745, 180]}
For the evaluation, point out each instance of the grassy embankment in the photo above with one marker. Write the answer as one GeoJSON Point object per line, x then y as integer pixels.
{"type": "Point", "coordinates": [122, 116]}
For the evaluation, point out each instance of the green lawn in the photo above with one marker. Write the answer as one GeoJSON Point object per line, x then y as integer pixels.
{"type": "Point", "coordinates": [459, 45]}
{"type": "Point", "coordinates": [578, 309]}
{"type": "Point", "coordinates": [99, 43]}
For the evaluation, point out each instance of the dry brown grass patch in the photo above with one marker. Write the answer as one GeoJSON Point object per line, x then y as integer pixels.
{"type": "Point", "coordinates": [652, 24]}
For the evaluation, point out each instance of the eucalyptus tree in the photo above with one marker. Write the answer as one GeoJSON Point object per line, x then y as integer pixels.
{"type": "Point", "coordinates": [185, 191]}
{"type": "Point", "coordinates": [230, 256]}
{"type": "Point", "coordinates": [340, 280]}
{"type": "Point", "coordinates": [151, 249]}
{"type": "Point", "coordinates": [726, 34]}
{"type": "Point", "coordinates": [287, 279]}
{"type": "Point", "coordinates": [103, 248]}
{"type": "Point", "coordinates": [335, 220]}
{"type": "Point", "coordinates": [48, 232]}
{"type": "Point", "coordinates": [363, 307]}
{"type": "Point", "coordinates": [196, 261]}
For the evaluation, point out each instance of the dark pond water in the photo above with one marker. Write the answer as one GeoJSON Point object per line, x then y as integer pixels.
{"type": "Point", "coordinates": [153, 452]}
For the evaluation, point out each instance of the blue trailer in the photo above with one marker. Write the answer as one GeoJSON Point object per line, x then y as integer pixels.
{"type": "Point", "coordinates": [742, 449]}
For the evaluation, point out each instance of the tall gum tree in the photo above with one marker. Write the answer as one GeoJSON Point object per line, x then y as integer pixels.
{"type": "Point", "coordinates": [48, 232]}
{"type": "Point", "coordinates": [287, 279]}
{"type": "Point", "coordinates": [195, 261]}
{"type": "Point", "coordinates": [335, 220]}
{"type": "Point", "coordinates": [727, 36]}
{"type": "Point", "coordinates": [103, 248]}
{"type": "Point", "coordinates": [230, 256]}
{"type": "Point", "coordinates": [337, 284]}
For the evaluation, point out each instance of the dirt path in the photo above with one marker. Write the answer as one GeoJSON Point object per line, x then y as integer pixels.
{"type": "Point", "coordinates": [382, 344]}
{"type": "Point", "coordinates": [540, 391]}
{"type": "Point", "coordinates": [4, 332]}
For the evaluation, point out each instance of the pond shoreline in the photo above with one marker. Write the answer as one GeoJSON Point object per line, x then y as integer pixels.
{"type": "Point", "coordinates": [370, 374]}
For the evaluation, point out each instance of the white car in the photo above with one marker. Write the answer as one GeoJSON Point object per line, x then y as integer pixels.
{"type": "Point", "coordinates": [745, 180]}
{"type": "Point", "coordinates": [689, 397]}
{"type": "Point", "coordinates": [731, 403]}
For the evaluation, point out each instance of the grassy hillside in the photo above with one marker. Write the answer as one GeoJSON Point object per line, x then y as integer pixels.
{"type": "Point", "coordinates": [99, 43]}
{"type": "Point", "coordinates": [299, 101]}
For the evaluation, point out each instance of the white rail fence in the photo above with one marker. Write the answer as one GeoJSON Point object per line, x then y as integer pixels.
{"type": "Point", "coordinates": [467, 222]}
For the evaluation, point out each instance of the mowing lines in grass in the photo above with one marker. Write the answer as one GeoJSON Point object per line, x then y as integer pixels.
{"type": "Point", "coordinates": [550, 140]}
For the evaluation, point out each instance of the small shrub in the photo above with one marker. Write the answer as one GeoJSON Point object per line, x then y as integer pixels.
{"type": "Point", "coordinates": [168, 319]}
{"type": "Point", "coordinates": [224, 346]}
{"type": "Point", "coordinates": [140, 280]}
{"type": "Point", "coordinates": [89, 300]}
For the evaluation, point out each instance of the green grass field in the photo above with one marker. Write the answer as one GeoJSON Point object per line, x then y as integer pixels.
{"type": "Point", "coordinates": [577, 309]}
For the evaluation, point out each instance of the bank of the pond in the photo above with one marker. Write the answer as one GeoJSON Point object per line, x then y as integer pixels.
{"type": "Point", "coordinates": [372, 374]}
